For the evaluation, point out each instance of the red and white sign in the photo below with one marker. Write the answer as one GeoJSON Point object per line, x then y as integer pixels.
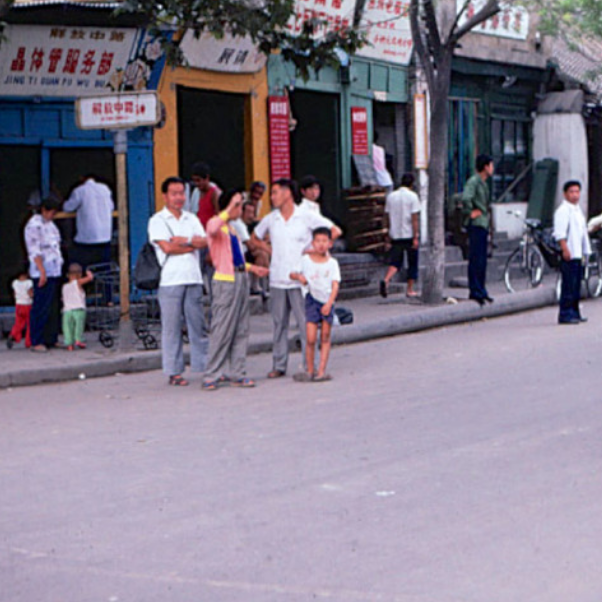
{"type": "Point", "coordinates": [280, 142]}
{"type": "Point", "coordinates": [337, 13]}
{"type": "Point", "coordinates": [359, 131]}
{"type": "Point", "coordinates": [115, 111]}
{"type": "Point", "coordinates": [62, 61]}
{"type": "Point", "coordinates": [387, 24]}
{"type": "Point", "coordinates": [510, 22]}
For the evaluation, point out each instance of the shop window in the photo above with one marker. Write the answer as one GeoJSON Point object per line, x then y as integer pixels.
{"type": "Point", "coordinates": [510, 151]}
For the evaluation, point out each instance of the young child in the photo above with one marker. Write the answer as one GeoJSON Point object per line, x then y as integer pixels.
{"type": "Point", "coordinates": [74, 307]}
{"type": "Point", "coordinates": [321, 274]}
{"type": "Point", "coordinates": [23, 289]}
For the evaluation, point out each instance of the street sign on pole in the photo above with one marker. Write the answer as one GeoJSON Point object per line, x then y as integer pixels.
{"type": "Point", "coordinates": [117, 113]}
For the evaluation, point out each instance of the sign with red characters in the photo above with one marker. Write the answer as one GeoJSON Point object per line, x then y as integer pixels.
{"type": "Point", "coordinates": [359, 131]}
{"type": "Point", "coordinates": [114, 111]}
{"type": "Point", "coordinates": [280, 143]}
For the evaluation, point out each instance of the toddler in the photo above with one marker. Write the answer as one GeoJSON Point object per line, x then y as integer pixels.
{"type": "Point", "coordinates": [74, 307]}
{"type": "Point", "coordinates": [23, 289]}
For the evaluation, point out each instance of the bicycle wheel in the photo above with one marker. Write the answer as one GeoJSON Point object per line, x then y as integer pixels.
{"type": "Point", "coordinates": [594, 280]}
{"type": "Point", "coordinates": [524, 269]}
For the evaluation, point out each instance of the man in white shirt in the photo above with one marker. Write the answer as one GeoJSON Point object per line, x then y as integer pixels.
{"type": "Point", "coordinates": [290, 229]}
{"type": "Point", "coordinates": [570, 230]}
{"type": "Point", "coordinates": [93, 203]}
{"type": "Point", "coordinates": [177, 236]}
{"type": "Point", "coordinates": [310, 193]}
{"type": "Point", "coordinates": [379, 162]}
{"type": "Point", "coordinates": [402, 213]}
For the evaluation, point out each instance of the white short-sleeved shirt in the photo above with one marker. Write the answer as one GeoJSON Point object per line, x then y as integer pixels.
{"type": "Point", "coordinates": [73, 296]}
{"type": "Point", "coordinates": [401, 204]}
{"type": "Point", "coordinates": [289, 238]}
{"type": "Point", "coordinates": [21, 289]}
{"type": "Point", "coordinates": [177, 269]}
{"type": "Point", "coordinates": [310, 206]}
{"type": "Point", "coordinates": [320, 277]}
{"type": "Point", "coordinates": [569, 225]}
{"type": "Point", "coordinates": [242, 231]}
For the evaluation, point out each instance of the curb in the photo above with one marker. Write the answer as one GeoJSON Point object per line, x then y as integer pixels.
{"type": "Point", "coordinates": [427, 319]}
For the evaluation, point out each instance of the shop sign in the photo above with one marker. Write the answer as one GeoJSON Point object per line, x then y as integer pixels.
{"type": "Point", "coordinates": [62, 61]}
{"type": "Point", "coordinates": [510, 22]}
{"type": "Point", "coordinates": [338, 14]}
{"type": "Point", "coordinates": [280, 144]}
{"type": "Point", "coordinates": [116, 111]}
{"type": "Point", "coordinates": [387, 24]}
{"type": "Point", "coordinates": [359, 131]}
{"type": "Point", "coordinates": [229, 54]}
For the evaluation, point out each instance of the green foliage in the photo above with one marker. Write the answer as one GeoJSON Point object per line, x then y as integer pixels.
{"type": "Point", "coordinates": [571, 18]}
{"type": "Point", "coordinates": [263, 20]}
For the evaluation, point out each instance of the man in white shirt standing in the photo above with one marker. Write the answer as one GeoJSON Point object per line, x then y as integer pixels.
{"type": "Point", "coordinates": [379, 162]}
{"type": "Point", "coordinates": [570, 230]}
{"type": "Point", "coordinates": [177, 236]}
{"type": "Point", "coordinates": [310, 194]}
{"type": "Point", "coordinates": [402, 212]}
{"type": "Point", "coordinates": [93, 203]}
{"type": "Point", "coordinates": [290, 229]}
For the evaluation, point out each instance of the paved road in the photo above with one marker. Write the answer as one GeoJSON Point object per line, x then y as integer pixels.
{"type": "Point", "coordinates": [459, 465]}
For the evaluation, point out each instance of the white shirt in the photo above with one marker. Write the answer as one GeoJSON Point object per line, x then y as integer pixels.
{"type": "Point", "coordinates": [21, 289]}
{"type": "Point", "coordinates": [310, 206]}
{"type": "Point", "coordinates": [320, 277]}
{"type": "Point", "coordinates": [93, 202]}
{"type": "Point", "coordinates": [569, 225]}
{"type": "Point", "coordinates": [289, 238]}
{"type": "Point", "coordinates": [401, 204]}
{"type": "Point", "coordinates": [74, 296]}
{"type": "Point", "coordinates": [242, 231]}
{"type": "Point", "coordinates": [43, 239]}
{"type": "Point", "coordinates": [177, 269]}
{"type": "Point", "coordinates": [383, 177]}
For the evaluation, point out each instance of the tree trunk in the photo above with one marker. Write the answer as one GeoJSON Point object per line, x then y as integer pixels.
{"type": "Point", "coordinates": [434, 279]}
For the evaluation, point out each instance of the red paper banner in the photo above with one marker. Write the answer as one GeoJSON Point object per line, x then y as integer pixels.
{"type": "Point", "coordinates": [280, 144]}
{"type": "Point", "coordinates": [359, 131]}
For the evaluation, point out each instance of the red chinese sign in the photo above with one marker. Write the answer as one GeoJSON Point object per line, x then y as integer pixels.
{"type": "Point", "coordinates": [280, 144]}
{"type": "Point", "coordinates": [126, 110]}
{"type": "Point", "coordinates": [359, 131]}
{"type": "Point", "coordinates": [334, 14]}
{"type": "Point", "coordinates": [61, 60]}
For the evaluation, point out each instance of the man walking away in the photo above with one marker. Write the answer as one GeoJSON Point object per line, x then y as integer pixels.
{"type": "Point", "coordinates": [177, 236]}
{"type": "Point", "coordinates": [475, 203]}
{"type": "Point", "coordinates": [570, 230]}
{"type": "Point", "coordinates": [402, 210]}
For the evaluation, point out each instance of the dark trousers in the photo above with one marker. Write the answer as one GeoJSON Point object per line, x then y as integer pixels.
{"type": "Point", "coordinates": [477, 262]}
{"type": "Point", "coordinates": [45, 312]}
{"type": "Point", "coordinates": [399, 247]}
{"type": "Point", "coordinates": [570, 292]}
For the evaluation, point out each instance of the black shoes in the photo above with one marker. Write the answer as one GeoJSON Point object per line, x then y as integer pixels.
{"type": "Point", "coordinates": [383, 289]}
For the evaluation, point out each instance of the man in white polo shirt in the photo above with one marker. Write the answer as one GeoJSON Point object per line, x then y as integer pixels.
{"type": "Point", "coordinates": [177, 236]}
{"type": "Point", "coordinates": [290, 229]}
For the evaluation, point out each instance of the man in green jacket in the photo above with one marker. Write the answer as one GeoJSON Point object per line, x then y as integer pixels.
{"type": "Point", "coordinates": [475, 202]}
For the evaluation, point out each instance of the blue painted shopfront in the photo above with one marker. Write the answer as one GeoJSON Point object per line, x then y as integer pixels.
{"type": "Point", "coordinates": [41, 149]}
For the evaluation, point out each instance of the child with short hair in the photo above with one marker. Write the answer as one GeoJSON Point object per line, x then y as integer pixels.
{"type": "Point", "coordinates": [23, 290]}
{"type": "Point", "coordinates": [74, 307]}
{"type": "Point", "coordinates": [320, 273]}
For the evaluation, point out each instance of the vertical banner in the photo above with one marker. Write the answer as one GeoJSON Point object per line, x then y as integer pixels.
{"type": "Point", "coordinates": [421, 137]}
{"type": "Point", "coordinates": [359, 131]}
{"type": "Point", "coordinates": [280, 144]}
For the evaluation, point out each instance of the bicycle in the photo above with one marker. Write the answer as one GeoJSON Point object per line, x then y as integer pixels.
{"type": "Point", "coordinates": [525, 266]}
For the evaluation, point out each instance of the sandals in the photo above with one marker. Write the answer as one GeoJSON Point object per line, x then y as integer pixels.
{"type": "Point", "coordinates": [244, 383]}
{"type": "Point", "coordinates": [412, 295]}
{"type": "Point", "coordinates": [177, 380]}
{"type": "Point", "coordinates": [322, 379]}
{"type": "Point", "coordinates": [210, 385]}
{"type": "Point", "coordinates": [276, 374]}
{"type": "Point", "coordinates": [383, 289]}
{"type": "Point", "coordinates": [303, 377]}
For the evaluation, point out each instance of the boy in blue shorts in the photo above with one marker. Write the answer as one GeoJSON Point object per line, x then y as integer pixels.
{"type": "Point", "coordinates": [320, 273]}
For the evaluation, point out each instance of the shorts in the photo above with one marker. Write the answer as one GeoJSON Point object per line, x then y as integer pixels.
{"type": "Point", "coordinates": [399, 247]}
{"type": "Point", "coordinates": [313, 311]}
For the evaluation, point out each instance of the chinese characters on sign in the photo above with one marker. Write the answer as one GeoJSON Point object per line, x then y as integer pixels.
{"type": "Point", "coordinates": [61, 60]}
{"type": "Point", "coordinates": [229, 54]}
{"type": "Point", "coordinates": [112, 111]}
{"type": "Point", "coordinates": [359, 131]}
{"type": "Point", "coordinates": [389, 35]}
{"type": "Point", "coordinates": [510, 22]}
{"type": "Point", "coordinates": [280, 145]}
{"type": "Point", "coordinates": [338, 14]}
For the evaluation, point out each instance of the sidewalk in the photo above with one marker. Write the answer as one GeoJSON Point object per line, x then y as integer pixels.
{"type": "Point", "coordinates": [374, 318]}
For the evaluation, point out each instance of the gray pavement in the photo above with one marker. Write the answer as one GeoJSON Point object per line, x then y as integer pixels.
{"type": "Point", "coordinates": [458, 465]}
{"type": "Point", "coordinates": [374, 318]}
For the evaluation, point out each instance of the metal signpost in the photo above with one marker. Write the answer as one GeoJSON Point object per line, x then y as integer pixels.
{"type": "Point", "coordinates": [118, 113]}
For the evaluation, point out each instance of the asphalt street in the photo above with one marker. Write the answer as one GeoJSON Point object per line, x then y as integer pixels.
{"type": "Point", "coordinates": [455, 465]}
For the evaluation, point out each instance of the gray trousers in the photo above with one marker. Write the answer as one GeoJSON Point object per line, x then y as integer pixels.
{"type": "Point", "coordinates": [229, 335]}
{"type": "Point", "coordinates": [179, 303]}
{"type": "Point", "coordinates": [283, 301]}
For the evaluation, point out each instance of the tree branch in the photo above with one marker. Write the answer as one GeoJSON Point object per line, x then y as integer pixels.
{"type": "Point", "coordinates": [421, 49]}
{"type": "Point", "coordinates": [489, 10]}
